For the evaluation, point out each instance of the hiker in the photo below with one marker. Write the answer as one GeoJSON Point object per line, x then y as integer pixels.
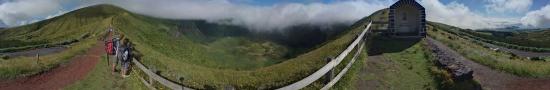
{"type": "Point", "coordinates": [116, 50]}
{"type": "Point", "coordinates": [126, 57]}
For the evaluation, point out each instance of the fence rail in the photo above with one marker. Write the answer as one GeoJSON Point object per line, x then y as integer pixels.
{"type": "Point", "coordinates": [328, 67]}
{"type": "Point", "coordinates": [154, 77]}
{"type": "Point", "coordinates": [295, 86]}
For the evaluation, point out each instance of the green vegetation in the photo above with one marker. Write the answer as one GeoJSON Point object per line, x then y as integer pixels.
{"type": "Point", "coordinates": [485, 56]}
{"type": "Point", "coordinates": [82, 25]}
{"type": "Point", "coordinates": [528, 41]}
{"type": "Point", "coordinates": [164, 54]}
{"type": "Point", "coordinates": [207, 60]}
{"type": "Point", "coordinates": [101, 78]}
{"type": "Point", "coordinates": [205, 55]}
{"type": "Point", "coordinates": [403, 64]}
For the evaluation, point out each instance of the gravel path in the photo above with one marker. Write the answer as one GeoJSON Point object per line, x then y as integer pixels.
{"type": "Point", "coordinates": [494, 79]}
{"type": "Point", "coordinates": [61, 76]}
{"type": "Point", "coordinates": [369, 68]}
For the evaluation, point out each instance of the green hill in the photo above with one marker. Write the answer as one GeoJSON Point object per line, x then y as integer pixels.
{"type": "Point", "coordinates": [207, 55]}
{"type": "Point", "coordinates": [514, 39]}
{"type": "Point", "coordinates": [82, 25]}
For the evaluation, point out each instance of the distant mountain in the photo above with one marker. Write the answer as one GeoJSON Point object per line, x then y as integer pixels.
{"type": "Point", "coordinates": [2, 25]}
{"type": "Point", "coordinates": [169, 36]}
{"type": "Point", "coordinates": [522, 37]}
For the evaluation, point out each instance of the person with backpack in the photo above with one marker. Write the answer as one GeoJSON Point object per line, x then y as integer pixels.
{"type": "Point", "coordinates": [127, 57]}
{"type": "Point", "coordinates": [116, 50]}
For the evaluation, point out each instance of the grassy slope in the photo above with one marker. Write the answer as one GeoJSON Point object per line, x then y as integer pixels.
{"type": "Point", "coordinates": [71, 26]}
{"type": "Point", "coordinates": [406, 67]}
{"type": "Point", "coordinates": [529, 39]}
{"type": "Point", "coordinates": [174, 56]}
{"type": "Point", "coordinates": [485, 56]}
{"type": "Point", "coordinates": [164, 53]}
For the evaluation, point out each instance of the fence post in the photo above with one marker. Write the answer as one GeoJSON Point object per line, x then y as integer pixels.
{"type": "Point", "coordinates": [37, 58]}
{"type": "Point", "coordinates": [329, 74]}
{"type": "Point", "coordinates": [182, 80]}
{"type": "Point", "coordinates": [229, 87]}
{"type": "Point", "coordinates": [151, 80]}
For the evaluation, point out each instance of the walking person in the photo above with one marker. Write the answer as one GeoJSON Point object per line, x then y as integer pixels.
{"type": "Point", "coordinates": [127, 57]}
{"type": "Point", "coordinates": [116, 48]}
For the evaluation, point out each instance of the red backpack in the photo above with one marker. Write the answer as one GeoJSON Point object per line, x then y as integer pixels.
{"type": "Point", "coordinates": [109, 47]}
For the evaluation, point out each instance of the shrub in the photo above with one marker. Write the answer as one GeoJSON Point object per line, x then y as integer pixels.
{"type": "Point", "coordinates": [4, 57]}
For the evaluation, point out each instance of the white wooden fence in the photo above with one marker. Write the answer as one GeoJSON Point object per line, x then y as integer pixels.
{"type": "Point", "coordinates": [154, 77]}
{"type": "Point", "coordinates": [328, 67]}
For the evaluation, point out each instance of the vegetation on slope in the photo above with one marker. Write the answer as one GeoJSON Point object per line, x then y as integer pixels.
{"type": "Point", "coordinates": [536, 41]}
{"type": "Point", "coordinates": [205, 55]}
{"type": "Point", "coordinates": [397, 67]}
{"type": "Point", "coordinates": [201, 58]}
{"type": "Point", "coordinates": [72, 26]}
{"type": "Point", "coordinates": [491, 58]}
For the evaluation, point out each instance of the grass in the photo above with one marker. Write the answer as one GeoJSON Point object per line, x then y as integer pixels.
{"type": "Point", "coordinates": [100, 78]}
{"type": "Point", "coordinates": [236, 61]}
{"type": "Point", "coordinates": [174, 64]}
{"type": "Point", "coordinates": [527, 41]}
{"type": "Point", "coordinates": [71, 26]}
{"type": "Point", "coordinates": [404, 68]}
{"type": "Point", "coordinates": [179, 57]}
{"type": "Point", "coordinates": [496, 60]}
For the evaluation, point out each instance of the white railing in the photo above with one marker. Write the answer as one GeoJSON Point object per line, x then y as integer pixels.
{"type": "Point", "coordinates": [328, 67]}
{"type": "Point", "coordinates": [154, 77]}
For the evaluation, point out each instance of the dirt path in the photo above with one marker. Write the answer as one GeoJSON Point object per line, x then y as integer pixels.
{"type": "Point", "coordinates": [494, 79]}
{"type": "Point", "coordinates": [370, 68]}
{"type": "Point", "coordinates": [61, 76]}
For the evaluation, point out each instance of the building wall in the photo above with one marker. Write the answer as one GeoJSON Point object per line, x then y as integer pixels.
{"type": "Point", "coordinates": [407, 18]}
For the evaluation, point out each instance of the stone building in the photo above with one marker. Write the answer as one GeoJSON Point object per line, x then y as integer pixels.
{"type": "Point", "coordinates": [407, 18]}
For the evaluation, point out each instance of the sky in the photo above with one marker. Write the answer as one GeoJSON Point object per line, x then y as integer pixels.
{"type": "Point", "coordinates": [280, 14]}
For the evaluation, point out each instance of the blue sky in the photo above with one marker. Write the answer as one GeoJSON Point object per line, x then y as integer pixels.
{"type": "Point", "coordinates": [278, 14]}
{"type": "Point", "coordinates": [478, 6]}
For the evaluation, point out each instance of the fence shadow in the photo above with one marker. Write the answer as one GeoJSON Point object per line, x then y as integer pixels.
{"type": "Point", "coordinates": [384, 44]}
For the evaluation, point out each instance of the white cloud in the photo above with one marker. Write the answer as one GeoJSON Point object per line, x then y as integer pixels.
{"type": "Point", "coordinates": [59, 13]}
{"type": "Point", "coordinates": [279, 16]}
{"type": "Point", "coordinates": [459, 15]}
{"type": "Point", "coordinates": [515, 6]}
{"type": "Point", "coordinates": [20, 12]}
{"type": "Point", "coordinates": [2, 24]}
{"type": "Point", "coordinates": [538, 18]}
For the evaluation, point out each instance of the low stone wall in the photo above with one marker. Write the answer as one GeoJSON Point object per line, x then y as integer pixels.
{"type": "Point", "coordinates": [445, 60]}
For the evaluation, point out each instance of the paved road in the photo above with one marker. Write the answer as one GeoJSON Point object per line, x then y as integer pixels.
{"type": "Point", "coordinates": [519, 52]}
{"type": "Point", "coordinates": [40, 51]}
